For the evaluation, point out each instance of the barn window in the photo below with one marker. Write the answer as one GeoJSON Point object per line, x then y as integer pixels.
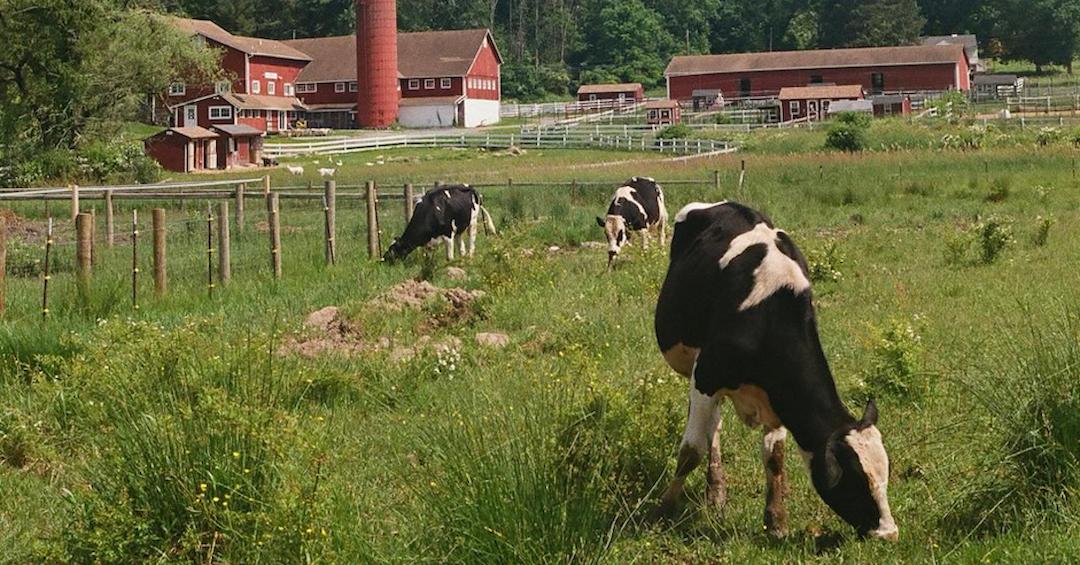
{"type": "Point", "coordinates": [271, 88]}
{"type": "Point", "coordinates": [256, 87]}
{"type": "Point", "coordinates": [177, 89]}
{"type": "Point", "coordinates": [592, 97]}
{"type": "Point", "coordinates": [816, 79]}
{"type": "Point", "coordinates": [221, 112]}
{"type": "Point", "coordinates": [744, 87]}
{"type": "Point", "coordinates": [305, 87]}
{"type": "Point", "coordinates": [877, 82]}
{"type": "Point", "coordinates": [429, 84]}
{"type": "Point", "coordinates": [414, 84]}
{"type": "Point", "coordinates": [353, 86]}
{"type": "Point", "coordinates": [339, 87]}
{"type": "Point", "coordinates": [289, 90]}
{"type": "Point", "coordinates": [794, 107]}
{"type": "Point", "coordinates": [445, 83]}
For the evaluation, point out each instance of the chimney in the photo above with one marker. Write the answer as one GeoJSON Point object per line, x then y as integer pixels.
{"type": "Point", "coordinates": [376, 63]}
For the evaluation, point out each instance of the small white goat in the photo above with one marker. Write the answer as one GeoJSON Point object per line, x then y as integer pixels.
{"type": "Point", "coordinates": [327, 172]}
{"type": "Point", "coordinates": [297, 170]}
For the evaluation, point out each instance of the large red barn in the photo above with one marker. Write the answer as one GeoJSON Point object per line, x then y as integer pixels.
{"type": "Point", "coordinates": [921, 68]}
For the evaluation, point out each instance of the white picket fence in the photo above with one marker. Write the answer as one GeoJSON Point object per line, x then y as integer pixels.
{"type": "Point", "coordinates": [512, 110]}
{"type": "Point", "coordinates": [567, 139]}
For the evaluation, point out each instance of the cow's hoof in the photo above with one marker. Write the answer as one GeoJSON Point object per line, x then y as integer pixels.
{"type": "Point", "coordinates": [665, 511]}
{"type": "Point", "coordinates": [776, 532]}
{"type": "Point", "coordinates": [716, 497]}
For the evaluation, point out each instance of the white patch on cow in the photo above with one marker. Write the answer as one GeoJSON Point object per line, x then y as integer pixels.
{"type": "Point", "coordinates": [447, 193]}
{"type": "Point", "coordinates": [867, 445]}
{"type": "Point", "coordinates": [775, 271]}
{"type": "Point", "coordinates": [693, 206]}
{"type": "Point", "coordinates": [703, 419]}
{"type": "Point", "coordinates": [612, 226]}
{"type": "Point", "coordinates": [627, 193]}
{"type": "Point", "coordinates": [769, 441]}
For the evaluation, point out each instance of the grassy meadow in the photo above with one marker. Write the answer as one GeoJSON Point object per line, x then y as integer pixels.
{"type": "Point", "coordinates": [192, 430]}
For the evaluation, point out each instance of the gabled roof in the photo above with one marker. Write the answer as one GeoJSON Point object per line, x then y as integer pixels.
{"type": "Point", "coordinates": [249, 45]}
{"type": "Point", "coordinates": [851, 106]}
{"type": "Point", "coordinates": [814, 59]}
{"type": "Point", "coordinates": [263, 102]}
{"type": "Point", "coordinates": [661, 104]}
{"type": "Point", "coordinates": [237, 130]}
{"type": "Point", "coordinates": [969, 41]}
{"type": "Point", "coordinates": [996, 79]}
{"type": "Point", "coordinates": [821, 92]}
{"type": "Point", "coordinates": [193, 132]}
{"type": "Point", "coordinates": [333, 59]}
{"type": "Point", "coordinates": [609, 88]}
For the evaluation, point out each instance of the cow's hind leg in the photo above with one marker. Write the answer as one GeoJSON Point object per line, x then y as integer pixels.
{"type": "Point", "coordinates": [702, 422]}
{"type": "Point", "coordinates": [772, 455]}
{"type": "Point", "coordinates": [450, 247]}
{"type": "Point", "coordinates": [716, 489]}
{"type": "Point", "coordinates": [472, 237]}
{"type": "Point", "coordinates": [461, 244]}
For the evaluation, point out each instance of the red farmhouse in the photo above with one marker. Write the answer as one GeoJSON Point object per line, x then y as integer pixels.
{"type": "Point", "coordinates": [446, 78]}
{"type": "Point", "coordinates": [877, 69]}
{"type": "Point", "coordinates": [632, 92]}
{"type": "Point", "coordinates": [812, 102]}
{"type": "Point", "coordinates": [260, 91]}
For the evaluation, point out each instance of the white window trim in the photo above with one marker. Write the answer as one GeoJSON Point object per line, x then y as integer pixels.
{"type": "Point", "coordinates": [271, 88]}
{"type": "Point", "coordinates": [256, 87]}
{"type": "Point", "coordinates": [353, 86]}
{"type": "Point", "coordinates": [414, 84]}
{"type": "Point", "coordinates": [429, 84]}
{"type": "Point", "coordinates": [339, 87]}
{"type": "Point", "coordinates": [793, 107]}
{"type": "Point", "coordinates": [445, 83]}
{"type": "Point", "coordinates": [177, 89]}
{"type": "Point", "coordinates": [305, 87]}
{"type": "Point", "coordinates": [223, 113]}
{"type": "Point", "coordinates": [290, 90]}
{"type": "Point", "coordinates": [222, 87]}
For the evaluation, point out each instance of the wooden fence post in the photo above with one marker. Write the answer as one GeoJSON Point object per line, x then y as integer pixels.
{"type": "Point", "coordinates": [74, 201]}
{"type": "Point", "coordinates": [83, 234]}
{"type": "Point", "coordinates": [93, 236]}
{"type": "Point", "coordinates": [209, 250]}
{"type": "Point", "coordinates": [161, 281]}
{"type": "Point", "coordinates": [742, 176]}
{"type": "Point", "coordinates": [330, 213]}
{"type": "Point", "coordinates": [373, 221]}
{"type": "Point", "coordinates": [3, 264]}
{"type": "Point", "coordinates": [716, 180]}
{"type": "Point", "coordinates": [409, 204]}
{"type": "Point", "coordinates": [110, 225]}
{"type": "Point", "coordinates": [273, 212]}
{"type": "Point", "coordinates": [135, 259]}
{"type": "Point", "coordinates": [240, 206]}
{"type": "Point", "coordinates": [224, 244]}
{"type": "Point", "coordinates": [45, 278]}
{"type": "Point", "coordinates": [266, 185]}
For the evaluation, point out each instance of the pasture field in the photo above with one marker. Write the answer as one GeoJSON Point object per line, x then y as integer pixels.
{"type": "Point", "coordinates": [193, 430]}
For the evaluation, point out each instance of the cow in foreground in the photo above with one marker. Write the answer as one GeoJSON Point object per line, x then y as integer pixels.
{"type": "Point", "coordinates": [735, 316]}
{"type": "Point", "coordinates": [638, 205]}
{"type": "Point", "coordinates": [446, 212]}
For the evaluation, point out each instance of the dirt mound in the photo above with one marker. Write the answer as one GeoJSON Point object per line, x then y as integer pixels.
{"type": "Point", "coordinates": [327, 331]}
{"type": "Point", "coordinates": [412, 295]}
{"type": "Point", "coordinates": [493, 340]}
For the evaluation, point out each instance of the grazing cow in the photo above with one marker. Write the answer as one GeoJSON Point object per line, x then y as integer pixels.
{"type": "Point", "coordinates": [735, 316]}
{"type": "Point", "coordinates": [295, 170]}
{"type": "Point", "coordinates": [638, 205]}
{"type": "Point", "coordinates": [327, 172]}
{"type": "Point", "coordinates": [443, 212]}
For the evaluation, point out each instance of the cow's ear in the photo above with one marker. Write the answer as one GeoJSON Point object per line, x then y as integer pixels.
{"type": "Point", "coordinates": [599, 222]}
{"type": "Point", "coordinates": [830, 466]}
{"type": "Point", "coordinates": [870, 413]}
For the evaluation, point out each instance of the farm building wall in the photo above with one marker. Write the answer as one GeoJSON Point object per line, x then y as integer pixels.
{"type": "Point", "coordinates": [481, 112]}
{"type": "Point", "coordinates": [485, 74]}
{"type": "Point", "coordinates": [944, 76]}
{"type": "Point", "coordinates": [326, 93]}
{"type": "Point", "coordinates": [433, 116]}
{"type": "Point", "coordinates": [421, 92]}
{"type": "Point", "coordinates": [264, 68]}
{"type": "Point", "coordinates": [169, 150]}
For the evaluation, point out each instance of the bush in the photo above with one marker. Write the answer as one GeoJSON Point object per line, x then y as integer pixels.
{"type": "Point", "coordinates": [993, 235]}
{"type": "Point", "coordinates": [999, 190]}
{"type": "Point", "coordinates": [824, 264]}
{"type": "Point", "coordinates": [1042, 230]}
{"type": "Point", "coordinates": [848, 132]}
{"type": "Point", "coordinates": [675, 131]}
{"type": "Point", "coordinates": [1047, 136]}
{"type": "Point", "coordinates": [897, 351]}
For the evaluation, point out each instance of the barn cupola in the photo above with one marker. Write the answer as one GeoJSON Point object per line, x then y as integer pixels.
{"type": "Point", "coordinates": [376, 63]}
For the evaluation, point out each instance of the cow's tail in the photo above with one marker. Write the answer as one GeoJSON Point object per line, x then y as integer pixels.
{"type": "Point", "coordinates": [489, 226]}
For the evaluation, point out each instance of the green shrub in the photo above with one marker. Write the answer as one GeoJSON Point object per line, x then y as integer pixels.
{"type": "Point", "coordinates": [993, 235]}
{"type": "Point", "coordinates": [896, 351]}
{"type": "Point", "coordinates": [848, 132]}
{"type": "Point", "coordinates": [1042, 230]}
{"type": "Point", "coordinates": [1047, 136]}
{"type": "Point", "coordinates": [675, 131]}
{"type": "Point", "coordinates": [999, 190]}
{"type": "Point", "coordinates": [824, 264]}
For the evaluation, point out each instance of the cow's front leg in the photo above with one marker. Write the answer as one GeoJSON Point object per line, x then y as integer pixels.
{"type": "Point", "coordinates": [461, 244]}
{"type": "Point", "coordinates": [772, 455]}
{"type": "Point", "coordinates": [472, 238]}
{"type": "Point", "coordinates": [645, 238]}
{"type": "Point", "coordinates": [702, 422]}
{"type": "Point", "coordinates": [716, 489]}
{"type": "Point", "coordinates": [450, 247]}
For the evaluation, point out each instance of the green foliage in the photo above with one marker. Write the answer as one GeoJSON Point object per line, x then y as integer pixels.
{"type": "Point", "coordinates": [879, 23]}
{"type": "Point", "coordinates": [1042, 230]}
{"type": "Point", "coordinates": [675, 131]}
{"type": "Point", "coordinates": [824, 263]}
{"type": "Point", "coordinates": [896, 351]}
{"type": "Point", "coordinates": [627, 40]}
{"type": "Point", "coordinates": [999, 191]}
{"type": "Point", "coordinates": [993, 236]}
{"type": "Point", "coordinates": [848, 132]}
{"type": "Point", "coordinates": [1047, 136]}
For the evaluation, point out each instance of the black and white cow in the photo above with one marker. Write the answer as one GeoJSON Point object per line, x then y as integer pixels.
{"type": "Point", "coordinates": [735, 316]}
{"type": "Point", "coordinates": [638, 205]}
{"type": "Point", "coordinates": [445, 212]}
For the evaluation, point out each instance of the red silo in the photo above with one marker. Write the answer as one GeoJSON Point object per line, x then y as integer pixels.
{"type": "Point", "coordinates": [376, 63]}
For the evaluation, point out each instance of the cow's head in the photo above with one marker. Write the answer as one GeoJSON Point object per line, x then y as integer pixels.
{"type": "Point", "coordinates": [851, 473]}
{"type": "Point", "coordinates": [396, 251]}
{"type": "Point", "coordinates": [616, 232]}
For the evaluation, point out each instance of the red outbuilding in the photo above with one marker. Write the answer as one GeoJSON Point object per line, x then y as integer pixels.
{"type": "Point", "coordinates": [812, 102]}
{"type": "Point", "coordinates": [662, 112]}
{"type": "Point", "coordinates": [625, 92]}
{"type": "Point", "coordinates": [184, 149]}
{"type": "Point", "coordinates": [920, 68]}
{"type": "Point", "coordinates": [238, 146]}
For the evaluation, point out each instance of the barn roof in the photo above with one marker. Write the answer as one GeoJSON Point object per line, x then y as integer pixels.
{"type": "Point", "coordinates": [609, 88]}
{"type": "Point", "coordinates": [814, 59]}
{"type": "Point", "coordinates": [421, 54]}
{"type": "Point", "coordinates": [821, 92]}
{"type": "Point", "coordinates": [658, 104]}
{"type": "Point", "coordinates": [238, 130]}
{"type": "Point", "coordinates": [263, 102]}
{"type": "Point", "coordinates": [193, 132]}
{"type": "Point", "coordinates": [851, 106]}
{"type": "Point", "coordinates": [249, 45]}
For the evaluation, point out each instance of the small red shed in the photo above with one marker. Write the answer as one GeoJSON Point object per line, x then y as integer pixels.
{"type": "Point", "coordinates": [662, 112]}
{"type": "Point", "coordinates": [812, 102]}
{"type": "Point", "coordinates": [625, 92]}
{"type": "Point", "coordinates": [184, 149]}
{"type": "Point", "coordinates": [891, 105]}
{"type": "Point", "coordinates": [239, 145]}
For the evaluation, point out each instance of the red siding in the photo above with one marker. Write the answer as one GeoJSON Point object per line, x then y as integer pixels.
{"type": "Point", "coordinates": [630, 95]}
{"type": "Point", "coordinates": [286, 70]}
{"type": "Point", "coordinates": [804, 108]}
{"type": "Point", "coordinates": [169, 150]}
{"type": "Point", "coordinates": [232, 63]}
{"type": "Point", "coordinates": [486, 66]}
{"type": "Point", "coordinates": [376, 63]}
{"type": "Point", "coordinates": [908, 78]}
{"type": "Point", "coordinates": [203, 109]}
{"type": "Point", "coordinates": [421, 92]}
{"type": "Point", "coordinates": [325, 94]}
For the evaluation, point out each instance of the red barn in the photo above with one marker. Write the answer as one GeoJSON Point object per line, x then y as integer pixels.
{"type": "Point", "coordinates": [262, 72]}
{"type": "Point", "coordinates": [662, 112]}
{"type": "Point", "coordinates": [631, 91]}
{"type": "Point", "coordinates": [238, 146]}
{"type": "Point", "coordinates": [918, 68]}
{"type": "Point", "coordinates": [812, 102]}
{"type": "Point", "coordinates": [184, 149]}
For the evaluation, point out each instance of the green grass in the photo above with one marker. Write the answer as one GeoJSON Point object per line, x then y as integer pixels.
{"type": "Point", "coordinates": [554, 449]}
